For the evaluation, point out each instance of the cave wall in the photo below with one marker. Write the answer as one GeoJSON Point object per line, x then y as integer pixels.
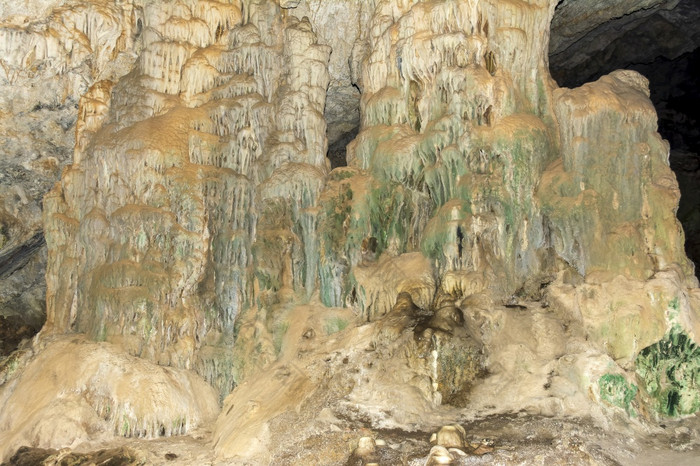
{"type": "Point", "coordinates": [199, 225]}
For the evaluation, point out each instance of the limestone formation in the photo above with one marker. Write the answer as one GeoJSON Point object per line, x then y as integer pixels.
{"type": "Point", "coordinates": [90, 390]}
{"type": "Point", "coordinates": [495, 245]}
{"type": "Point", "coordinates": [187, 173]}
{"type": "Point", "coordinates": [51, 54]}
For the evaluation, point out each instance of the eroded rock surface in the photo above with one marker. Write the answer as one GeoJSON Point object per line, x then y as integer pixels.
{"type": "Point", "coordinates": [496, 244]}
{"type": "Point", "coordinates": [73, 390]}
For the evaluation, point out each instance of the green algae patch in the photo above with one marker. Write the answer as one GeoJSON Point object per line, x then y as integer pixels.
{"type": "Point", "coordinates": [615, 390]}
{"type": "Point", "coordinates": [669, 373]}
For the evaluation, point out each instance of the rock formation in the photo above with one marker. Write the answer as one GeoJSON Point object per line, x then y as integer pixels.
{"type": "Point", "coordinates": [51, 54]}
{"type": "Point", "coordinates": [495, 244]}
{"type": "Point", "coordinates": [660, 42]}
{"type": "Point", "coordinates": [203, 160]}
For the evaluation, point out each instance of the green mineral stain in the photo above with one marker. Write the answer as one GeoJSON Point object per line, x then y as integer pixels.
{"type": "Point", "coordinates": [9, 365]}
{"type": "Point", "coordinates": [335, 325]}
{"type": "Point", "coordinates": [615, 390]}
{"type": "Point", "coordinates": [142, 240]}
{"type": "Point", "coordinates": [337, 236]}
{"type": "Point", "coordinates": [335, 215]}
{"type": "Point", "coordinates": [178, 423]}
{"type": "Point", "coordinates": [340, 174]}
{"type": "Point", "coordinates": [674, 304]}
{"type": "Point", "coordinates": [278, 333]}
{"type": "Point", "coordinates": [669, 372]}
{"type": "Point", "coordinates": [390, 213]}
{"type": "Point", "coordinates": [102, 334]}
{"type": "Point", "coordinates": [674, 307]}
{"type": "Point", "coordinates": [146, 328]}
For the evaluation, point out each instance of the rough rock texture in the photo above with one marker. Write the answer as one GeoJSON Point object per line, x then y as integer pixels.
{"type": "Point", "coordinates": [623, 33]}
{"type": "Point", "coordinates": [51, 53]}
{"type": "Point", "coordinates": [90, 390]}
{"type": "Point", "coordinates": [575, 19]}
{"type": "Point", "coordinates": [495, 440]}
{"type": "Point", "coordinates": [27, 456]}
{"type": "Point", "coordinates": [187, 174]}
{"type": "Point", "coordinates": [495, 244]}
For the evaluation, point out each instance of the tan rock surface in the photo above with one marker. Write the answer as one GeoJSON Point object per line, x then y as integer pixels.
{"type": "Point", "coordinates": [495, 245]}
{"type": "Point", "coordinates": [76, 391]}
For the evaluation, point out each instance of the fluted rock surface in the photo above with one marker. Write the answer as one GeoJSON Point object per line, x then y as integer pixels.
{"type": "Point", "coordinates": [51, 53]}
{"type": "Point", "coordinates": [495, 243]}
{"type": "Point", "coordinates": [183, 168]}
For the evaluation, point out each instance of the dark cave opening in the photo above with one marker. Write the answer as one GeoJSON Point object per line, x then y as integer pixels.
{"type": "Point", "coordinates": [337, 153]}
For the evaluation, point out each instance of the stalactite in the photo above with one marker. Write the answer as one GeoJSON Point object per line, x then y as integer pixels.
{"type": "Point", "coordinates": [176, 178]}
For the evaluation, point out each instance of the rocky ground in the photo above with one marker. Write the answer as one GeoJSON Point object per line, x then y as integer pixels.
{"type": "Point", "coordinates": [507, 439]}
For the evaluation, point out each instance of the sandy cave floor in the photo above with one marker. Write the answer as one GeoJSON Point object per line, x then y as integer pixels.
{"type": "Point", "coordinates": [504, 439]}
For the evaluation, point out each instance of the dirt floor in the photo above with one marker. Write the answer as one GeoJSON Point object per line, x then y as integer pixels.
{"type": "Point", "coordinates": [519, 439]}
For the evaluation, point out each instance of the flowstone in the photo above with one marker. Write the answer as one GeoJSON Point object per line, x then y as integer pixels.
{"type": "Point", "coordinates": [496, 244]}
{"type": "Point", "coordinates": [187, 174]}
{"type": "Point", "coordinates": [80, 390]}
